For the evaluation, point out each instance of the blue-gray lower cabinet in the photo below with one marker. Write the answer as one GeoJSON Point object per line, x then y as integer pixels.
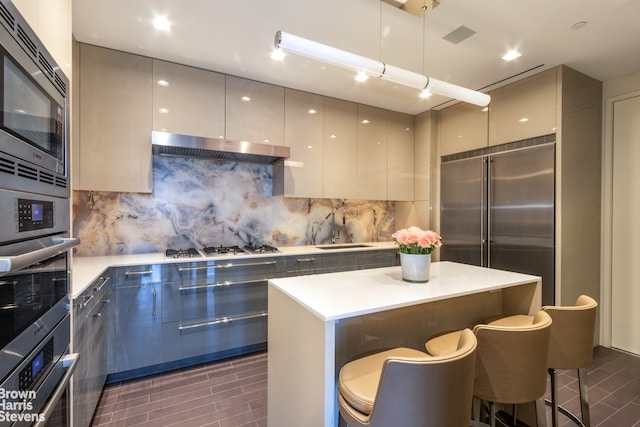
{"type": "Point", "coordinates": [223, 304]}
{"type": "Point", "coordinates": [145, 323]}
{"type": "Point", "coordinates": [92, 317]}
{"type": "Point", "coordinates": [175, 314]}
{"type": "Point", "coordinates": [336, 261]}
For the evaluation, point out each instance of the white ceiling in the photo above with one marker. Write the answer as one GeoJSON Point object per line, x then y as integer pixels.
{"type": "Point", "coordinates": [236, 37]}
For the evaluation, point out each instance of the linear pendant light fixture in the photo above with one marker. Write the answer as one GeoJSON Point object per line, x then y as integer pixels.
{"type": "Point", "coordinates": [286, 42]}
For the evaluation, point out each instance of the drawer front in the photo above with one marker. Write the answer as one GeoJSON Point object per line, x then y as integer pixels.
{"type": "Point", "coordinates": [221, 272]}
{"type": "Point", "coordinates": [223, 301]}
{"type": "Point", "coordinates": [376, 259]}
{"type": "Point", "coordinates": [144, 274]}
{"type": "Point", "coordinates": [214, 337]}
{"type": "Point", "coordinates": [303, 264]}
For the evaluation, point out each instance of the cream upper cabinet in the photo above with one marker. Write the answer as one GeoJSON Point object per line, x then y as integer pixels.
{"type": "Point", "coordinates": [371, 182]}
{"type": "Point", "coordinates": [188, 100]}
{"type": "Point", "coordinates": [462, 127]}
{"type": "Point", "coordinates": [254, 111]}
{"type": "Point", "coordinates": [340, 137]}
{"type": "Point", "coordinates": [303, 133]}
{"type": "Point", "coordinates": [51, 21]}
{"type": "Point", "coordinates": [524, 109]}
{"type": "Point", "coordinates": [114, 146]}
{"type": "Point", "coordinates": [400, 164]}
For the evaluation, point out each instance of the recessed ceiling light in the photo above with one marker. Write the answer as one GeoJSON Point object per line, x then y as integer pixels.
{"type": "Point", "coordinates": [163, 83]}
{"type": "Point", "coordinates": [361, 77]}
{"type": "Point", "coordinates": [312, 111]}
{"type": "Point", "coordinates": [523, 120]}
{"type": "Point", "coordinates": [278, 54]}
{"type": "Point", "coordinates": [511, 55]}
{"type": "Point", "coordinates": [365, 121]}
{"type": "Point", "coordinates": [246, 98]}
{"type": "Point", "coordinates": [161, 23]}
{"type": "Point", "coordinates": [163, 110]}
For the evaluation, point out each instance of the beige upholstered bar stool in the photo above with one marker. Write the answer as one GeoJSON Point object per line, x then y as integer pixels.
{"type": "Point", "coordinates": [407, 387]}
{"type": "Point", "coordinates": [571, 347]}
{"type": "Point", "coordinates": [511, 363]}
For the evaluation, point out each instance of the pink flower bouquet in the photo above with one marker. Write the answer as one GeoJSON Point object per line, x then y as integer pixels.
{"type": "Point", "coordinates": [414, 240]}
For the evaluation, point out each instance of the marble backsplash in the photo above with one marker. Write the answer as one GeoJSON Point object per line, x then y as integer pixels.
{"type": "Point", "coordinates": [203, 202]}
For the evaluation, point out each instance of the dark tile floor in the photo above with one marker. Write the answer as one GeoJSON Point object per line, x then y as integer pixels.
{"type": "Point", "coordinates": [233, 393]}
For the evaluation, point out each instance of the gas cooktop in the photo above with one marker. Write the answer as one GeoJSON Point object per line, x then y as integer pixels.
{"type": "Point", "coordinates": [220, 250]}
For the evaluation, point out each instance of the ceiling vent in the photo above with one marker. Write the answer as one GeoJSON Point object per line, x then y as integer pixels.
{"type": "Point", "coordinates": [458, 35]}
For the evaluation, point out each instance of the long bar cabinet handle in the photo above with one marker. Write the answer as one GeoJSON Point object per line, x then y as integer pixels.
{"type": "Point", "coordinates": [104, 304]}
{"type": "Point", "coordinates": [104, 282]}
{"type": "Point", "coordinates": [137, 273]}
{"type": "Point", "coordinates": [222, 284]}
{"type": "Point", "coordinates": [228, 265]}
{"type": "Point", "coordinates": [87, 301]}
{"type": "Point", "coordinates": [155, 295]}
{"type": "Point", "coordinates": [222, 320]}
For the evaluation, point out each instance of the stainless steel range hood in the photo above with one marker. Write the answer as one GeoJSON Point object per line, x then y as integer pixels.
{"type": "Point", "coordinates": [173, 144]}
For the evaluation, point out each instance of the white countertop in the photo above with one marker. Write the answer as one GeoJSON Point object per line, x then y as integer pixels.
{"type": "Point", "coordinates": [335, 296]}
{"type": "Point", "coordinates": [85, 270]}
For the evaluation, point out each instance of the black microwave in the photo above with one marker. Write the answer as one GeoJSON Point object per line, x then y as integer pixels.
{"type": "Point", "coordinates": [33, 108]}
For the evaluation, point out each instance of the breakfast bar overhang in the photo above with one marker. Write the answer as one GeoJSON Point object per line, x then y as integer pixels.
{"type": "Point", "coordinates": [318, 323]}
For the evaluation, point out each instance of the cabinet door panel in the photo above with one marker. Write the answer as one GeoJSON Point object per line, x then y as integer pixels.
{"type": "Point", "coordinates": [138, 321]}
{"type": "Point", "coordinates": [462, 127]}
{"type": "Point", "coordinates": [400, 173]}
{"type": "Point", "coordinates": [115, 121]}
{"type": "Point", "coordinates": [303, 133]}
{"type": "Point", "coordinates": [340, 137]}
{"type": "Point", "coordinates": [254, 111]}
{"type": "Point", "coordinates": [524, 109]}
{"type": "Point", "coordinates": [372, 153]}
{"type": "Point", "coordinates": [188, 100]}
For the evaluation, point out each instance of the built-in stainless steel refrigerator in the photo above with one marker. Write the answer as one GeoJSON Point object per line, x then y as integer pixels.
{"type": "Point", "coordinates": [498, 211]}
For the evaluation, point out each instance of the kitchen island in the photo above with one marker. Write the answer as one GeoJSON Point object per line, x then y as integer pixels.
{"type": "Point", "coordinates": [318, 323]}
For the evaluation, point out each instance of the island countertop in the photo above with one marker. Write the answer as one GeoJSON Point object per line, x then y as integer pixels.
{"type": "Point", "coordinates": [318, 323]}
{"type": "Point", "coordinates": [336, 296]}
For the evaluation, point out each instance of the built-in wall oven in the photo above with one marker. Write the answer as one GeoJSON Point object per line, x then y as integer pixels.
{"type": "Point", "coordinates": [35, 364]}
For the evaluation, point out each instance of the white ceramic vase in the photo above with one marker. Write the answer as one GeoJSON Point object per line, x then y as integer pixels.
{"type": "Point", "coordinates": [415, 267]}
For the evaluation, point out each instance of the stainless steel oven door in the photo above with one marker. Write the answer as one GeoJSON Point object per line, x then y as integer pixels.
{"type": "Point", "coordinates": [36, 391]}
{"type": "Point", "coordinates": [33, 295]}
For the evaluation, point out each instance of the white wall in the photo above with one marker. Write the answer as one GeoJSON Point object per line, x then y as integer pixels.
{"type": "Point", "coordinates": [615, 91]}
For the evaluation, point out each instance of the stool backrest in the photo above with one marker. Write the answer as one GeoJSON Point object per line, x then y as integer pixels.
{"type": "Point", "coordinates": [429, 391]}
{"type": "Point", "coordinates": [572, 334]}
{"type": "Point", "coordinates": [511, 362]}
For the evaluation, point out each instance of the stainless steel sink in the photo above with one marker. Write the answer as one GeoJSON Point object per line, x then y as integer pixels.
{"type": "Point", "coordinates": [344, 246]}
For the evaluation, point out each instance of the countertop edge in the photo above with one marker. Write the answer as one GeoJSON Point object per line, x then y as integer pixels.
{"type": "Point", "coordinates": [84, 270]}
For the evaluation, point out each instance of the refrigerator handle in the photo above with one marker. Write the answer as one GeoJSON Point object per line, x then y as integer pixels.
{"type": "Point", "coordinates": [485, 214]}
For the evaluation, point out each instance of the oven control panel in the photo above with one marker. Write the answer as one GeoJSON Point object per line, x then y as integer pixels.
{"type": "Point", "coordinates": [34, 369]}
{"type": "Point", "coordinates": [34, 214]}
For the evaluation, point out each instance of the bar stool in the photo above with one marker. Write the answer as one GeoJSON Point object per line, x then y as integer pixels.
{"type": "Point", "coordinates": [571, 347]}
{"type": "Point", "coordinates": [511, 363]}
{"type": "Point", "coordinates": [407, 387]}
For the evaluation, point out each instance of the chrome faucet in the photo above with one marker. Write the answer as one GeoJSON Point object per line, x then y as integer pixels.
{"type": "Point", "coordinates": [335, 230]}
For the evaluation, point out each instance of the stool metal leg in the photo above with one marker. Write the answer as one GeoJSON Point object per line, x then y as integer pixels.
{"type": "Point", "coordinates": [554, 397]}
{"type": "Point", "coordinates": [585, 420]}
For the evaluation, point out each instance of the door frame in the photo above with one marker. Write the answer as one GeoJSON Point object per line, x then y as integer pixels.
{"type": "Point", "coordinates": [606, 320]}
